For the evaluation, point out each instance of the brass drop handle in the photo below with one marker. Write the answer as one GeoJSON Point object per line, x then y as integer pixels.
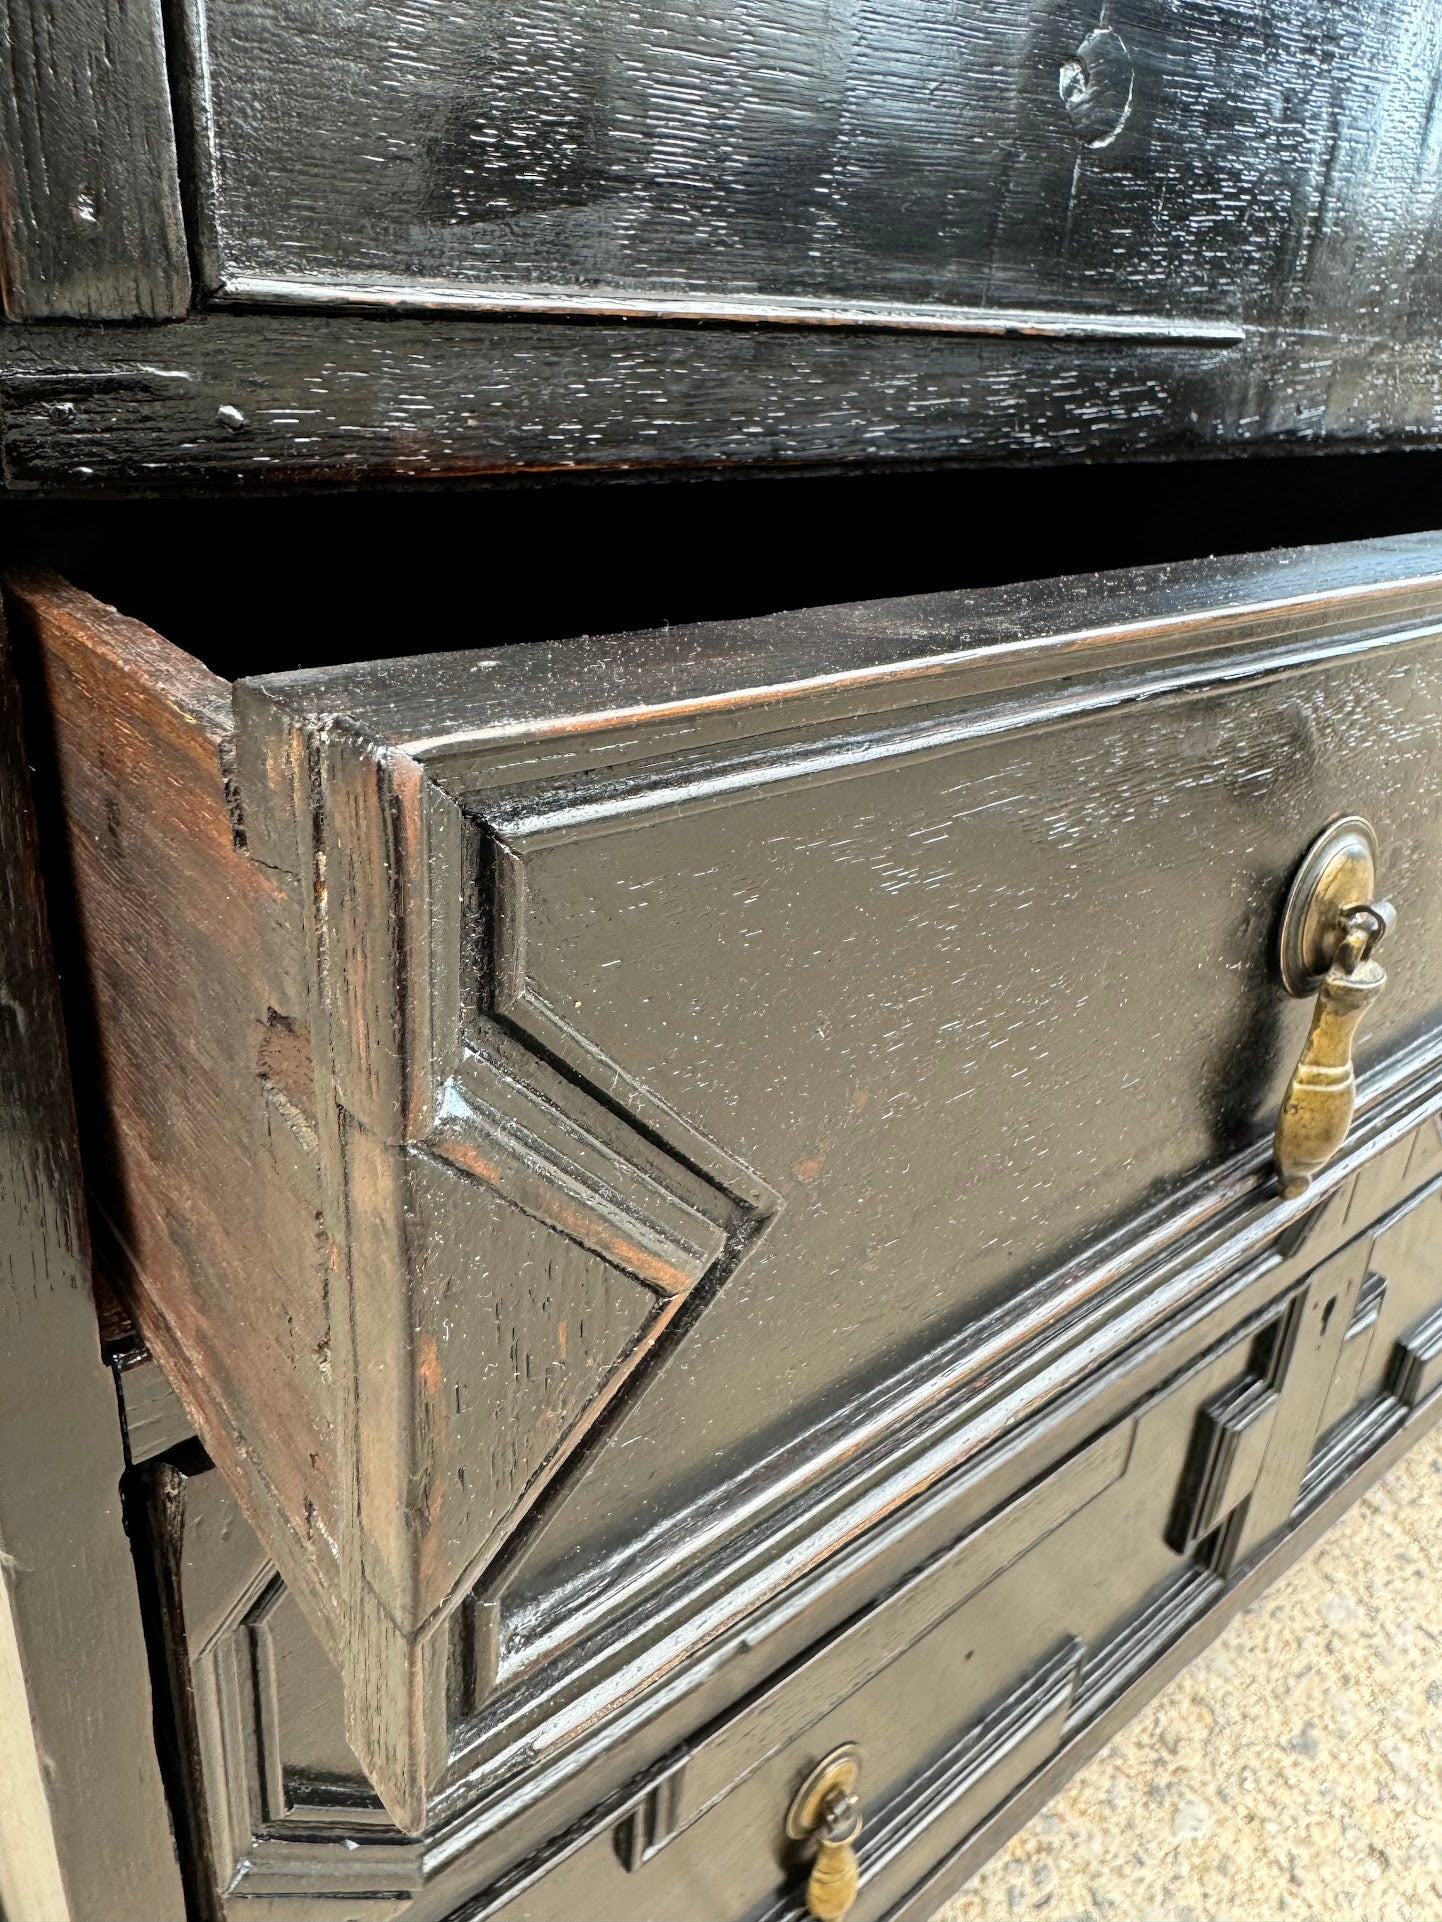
{"type": "Point", "coordinates": [1330, 929]}
{"type": "Point", "coordinates": [826, 1811]}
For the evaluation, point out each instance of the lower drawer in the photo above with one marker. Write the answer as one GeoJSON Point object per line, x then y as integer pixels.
{"type": "Point", "coordinates": [1022, 1634]}
{"type": "Point", "coordinates": [1066, 1570]}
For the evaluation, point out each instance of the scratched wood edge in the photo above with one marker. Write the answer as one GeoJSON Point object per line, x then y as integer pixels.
{"type": "Point", "coordinates": [173, 706]}
{"type": "Point", "coordinates": [865, 655]}
{"type": "Point", "coordinates": [265, 399]}
{"type": "Point", "coordinates": [76, 1682]}
{"type": "Point", "coordinates": [91, 226]}
{"type": "Point", "coordinates": [385, 1640]}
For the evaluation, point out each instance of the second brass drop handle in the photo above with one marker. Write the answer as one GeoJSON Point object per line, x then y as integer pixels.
{"type": "Point", "coordinates": [826, 1812]}
{"type": "Point", "coordinates": [1330, 930]}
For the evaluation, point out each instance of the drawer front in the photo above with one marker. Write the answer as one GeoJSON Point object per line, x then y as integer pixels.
{"type": "Point", "coordinates": [1134, 1512]}
{"type": "Point", "coordinates": [951, 165]}
{"type": "Point", "coordinates": [953, 1724]}
{"type": "Point", "coordinates": [600, 1124]}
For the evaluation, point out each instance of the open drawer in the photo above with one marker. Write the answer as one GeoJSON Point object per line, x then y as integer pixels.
{"type": "Point", "coordinates": [583, 1119]}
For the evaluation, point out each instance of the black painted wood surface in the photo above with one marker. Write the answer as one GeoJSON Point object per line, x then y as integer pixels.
{"type": "Point", "coordinates": [643, 1100]}
{"type": "Point", "coordinates": [1016, 1639]}
{"type": "Point", "coordinates": [1178, 173]}
{"type": "Point", "coordinates": [259, 401]}
{"type": "Point", "coordinates": [980, 267]}
{"type": "Point", "coordinates": [84, 1828]}
{"type": "Point", "coordinates": [90, 217]}
{"type": "Point", "coordinates": [888, 971]}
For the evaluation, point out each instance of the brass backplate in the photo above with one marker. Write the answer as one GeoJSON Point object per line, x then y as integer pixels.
{"type": "Point", "coordinates": [1338, 871]}
{"type": "Point", "coordinates": [841, 1769]}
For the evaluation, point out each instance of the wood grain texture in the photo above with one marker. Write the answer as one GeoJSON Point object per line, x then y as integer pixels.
{"type": "Point", "coordinates": [989, 166]}
{"type": "Point", "coordinates": [90, 218]}
{"type": "Point", "coordinates": [390, 1352]}
{"type": "Point", "coordinates": [212, 1173]}
{"type": "Point", "coordinates": [973, 269]}
{"type": "Point", "coordinates": [264, 400]}
{"type": "Point", "coordinates": [90, 1835]}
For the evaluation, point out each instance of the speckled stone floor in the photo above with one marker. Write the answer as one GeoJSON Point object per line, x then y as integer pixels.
{"type": "Point", "coordinates": [1294, 1771]}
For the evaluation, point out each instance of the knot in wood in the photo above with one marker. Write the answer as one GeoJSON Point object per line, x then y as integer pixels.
{"type": "Point", "coordinates": [1096, 87]}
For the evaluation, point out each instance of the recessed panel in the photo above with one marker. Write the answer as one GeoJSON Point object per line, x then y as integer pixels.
{"type": "Point", "coordinates": [945, 163]}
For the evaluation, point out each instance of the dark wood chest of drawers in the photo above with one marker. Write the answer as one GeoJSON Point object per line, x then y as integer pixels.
{"type": "Point", "coordinates": [696, 1187]}
{"type": "Point", "coordinates": [680, 1208]}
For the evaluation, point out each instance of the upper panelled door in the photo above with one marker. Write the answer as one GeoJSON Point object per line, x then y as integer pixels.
{"type": "Point", "coordinates": [1142, 169]}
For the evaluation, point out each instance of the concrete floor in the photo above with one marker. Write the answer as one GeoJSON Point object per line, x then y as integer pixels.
{"type": "Point", "coordinates": [1294, 1771]}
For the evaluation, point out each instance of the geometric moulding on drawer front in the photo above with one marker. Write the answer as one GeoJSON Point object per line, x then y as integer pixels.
{"type": "Point", "coordinates": [398, 1265]}
{"type": "Point", "coordinates": [511, 1247]}
{"type": "Point", "coordinates": [514, 1250]}
{"type": "Point", "coordinates": [1417, 1364]}
{"type": "Point", "coordinates": [522, 987]}
{"type": "Point", "coordinates": [1228, 1450]}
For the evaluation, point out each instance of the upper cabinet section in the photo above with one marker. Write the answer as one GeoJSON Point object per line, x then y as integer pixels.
{"type": "Point", "coordinates": [1151, 171]}
{"type": "Point", "coordinates": [904, 230]}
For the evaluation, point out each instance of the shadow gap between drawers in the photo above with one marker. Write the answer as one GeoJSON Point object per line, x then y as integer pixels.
{"type": "Point", "coordinates": [257, 586]}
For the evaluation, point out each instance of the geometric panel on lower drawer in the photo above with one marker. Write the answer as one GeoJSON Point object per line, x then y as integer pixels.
{"type": "Point", "coordinates": [1020, 1623]}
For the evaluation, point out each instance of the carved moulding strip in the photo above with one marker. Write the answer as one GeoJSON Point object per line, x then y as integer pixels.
{"type": "Point", "coordinates": [1026, 323]}
{"type": "Point", "coordinates": [1418, 1369]}
{"type": "Point", "coordinates": [852, 1475]}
